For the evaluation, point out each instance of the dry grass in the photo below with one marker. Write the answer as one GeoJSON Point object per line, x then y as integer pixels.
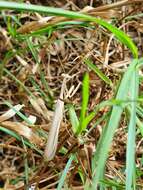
{"type": "Point", "coordinates": [29, 59]}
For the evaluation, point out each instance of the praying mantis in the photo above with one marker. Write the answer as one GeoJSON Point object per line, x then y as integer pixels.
{"type": "Point", "coordinates": [52, 141]}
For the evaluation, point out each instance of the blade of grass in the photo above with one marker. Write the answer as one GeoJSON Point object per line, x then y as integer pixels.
{"type": "Point", "coordinates": [84, 106]}
{"type": "Point", "coordinates": [64, 174]}
{"type": "Point", "coordinates": [42, 93]}
{"type": "Point", "coordinates": [11, 27]}
{"type": "Point", "coordinates": [140, 111]}
{"type": "Point", "coordinates": [139, 114]}
{"type": "Point", "coordinates": [47, 88]}
{"type": "Point", "coordinates": [32, 49]}
{"type": "Point", "coordinates": [73, 24]}
{"type": "Point", "coordinates": [113, 183]}
{"type": "Point", "coordinates": [130, 154]}
{"type": "Point", "coordinates": [10, 113]}
{"type": "Point", "coordinates": [58, 26]}
{"type": "Point", "coordinates": [108, 103]}
{"type": "Point", "coordinates": [26, 168]}
{"type": "Point", "coordinates": [73, 118]}
{"type": "Point", "coordinates": [104, 118]}
{"type": "Point", "coordinates": [92, 66]}
{"type": "Point", "coordinates": [13, 134]}
{"type": "Point", "coordinates": [140, 125]}
{"type": "Point", "coordinates": [120, 35]}
{"type": "Point", "coordinates": [19, 82]}
{"type": "Point", "coordinates": [21, 115]}
{"type": "Point", "coordinates": [98, 162]}
{"type": "Point", "coordinates": [7, 57]}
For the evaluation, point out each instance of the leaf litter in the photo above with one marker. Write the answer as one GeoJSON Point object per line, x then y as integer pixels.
{"type": "Point", "coordinates": [61, 51]}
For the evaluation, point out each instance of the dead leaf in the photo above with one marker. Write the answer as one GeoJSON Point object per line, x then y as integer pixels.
{"type": "Point", "coordinates": [23, 130]}
{"type": "Point", "coordinates": [40, 107]}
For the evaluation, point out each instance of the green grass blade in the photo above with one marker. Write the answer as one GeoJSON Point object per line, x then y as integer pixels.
{"type": "Point", "coordinates": [13, 134]}
{"type": "Point", "coordinates": [84, 106]}
{"type": "Point", "coordinates": [104, 118]}
{"type": "Point", "coordinates": [73, 118]}
{"type": "Point", "coordinates": [130, 154]}
{"type": "Point", "coordinates": [3, 63]}
{"type": "Point", "coordinates": [19, 82]}
{"type": "Point", "coordinates": [33, 50]}
{"type": "Point", "coordinates": [140, 111]}
{"type": "Point", "coordinates": [21, 115]}
{"type": "Point", "coordinates": [108, 103]}
{"type": "Point", "coordinates": [41, 92]}
{"type": "Point", "coordinates": [92, 66]}
{"type": "Point", "coordinates": [46, 86]}
{"type": "Point", "coordinates": [120, 35]}
{"type": "Point", "coordinates": [98, 162]}
{"type": "Point", "coordinates": [140, 125]}
{"type": "Point", "coordinates": [63, 177]}
{"type": "Point", "coordinates": [68, 24]}
{"type": "Point", "coordinates": [112, 183]}
{"type": "Point", "coordinates": [26, 168]}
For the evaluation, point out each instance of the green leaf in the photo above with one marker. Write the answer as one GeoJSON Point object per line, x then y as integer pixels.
{"type": "Point", "coordinates": [100, 157]}
{"type": "Point", "coordinates": [84, 106]}
{"type": "Point", "coordinates": [64, 174]}
{"type": "Point", "coordinates": [111, 102]}
{"type": "Point", "coordinates": [73, 118]}
{"type": "Point", "coordinates": [130, 154]}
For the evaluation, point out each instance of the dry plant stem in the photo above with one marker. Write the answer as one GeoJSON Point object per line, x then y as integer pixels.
{"type": "Point", "coordinates": [116, 5]}
{"type": "Point", "coordinates": [44, 22]}
{"type": "Point", "coordinates": [24, 131]}
{"type": "Point", "coordinates": [52, 142]}
{"type": "Point", "coordinates": [12, 147]}
{"type": "Point", "coordinates": [52, 20]}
